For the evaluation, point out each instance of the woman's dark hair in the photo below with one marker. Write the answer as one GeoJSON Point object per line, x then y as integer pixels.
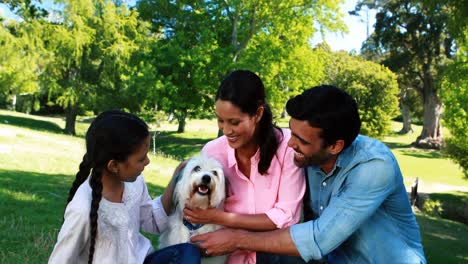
{"type": "Point", "coordinates": [329, 108]}
{"type": "Point", "coordinates": [113, 135]}
{"type": "Point", "coordinates": [245, 90]}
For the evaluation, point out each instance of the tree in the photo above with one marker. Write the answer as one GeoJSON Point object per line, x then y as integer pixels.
{"type": "Point", "coordinates": [204, 40]}
{"type": "Point", "coordinates": [22, 57]}
{"type": "Point", "coordinates": [373, 86]}
{"type": "Point", "coordinates": [26, 9]}
{"type": "Point", "coordinates": [92, 45]}
{"type": "Point", "coordinates": [414, 35]}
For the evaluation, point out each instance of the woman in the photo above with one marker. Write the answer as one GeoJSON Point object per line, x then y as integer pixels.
{"type": "Point", "coordinates": [265, 188]}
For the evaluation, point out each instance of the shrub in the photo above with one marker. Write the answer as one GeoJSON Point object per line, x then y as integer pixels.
{"type": "Point", "coordinates": [455, 98]}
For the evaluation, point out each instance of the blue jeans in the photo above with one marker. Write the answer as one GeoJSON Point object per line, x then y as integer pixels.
{"type": "Point", "coordinates": [185, 253]}
{"type": "Point", "coordinates": [270, 258]}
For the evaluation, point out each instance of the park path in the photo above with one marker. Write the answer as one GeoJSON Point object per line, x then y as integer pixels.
{"type": "Point", "coordinates": [425, 187]}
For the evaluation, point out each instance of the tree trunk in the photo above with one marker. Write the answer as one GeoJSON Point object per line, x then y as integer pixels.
{"type": "Point", "coordinates": [70, 118]}
{"type": "Point", "coordinates": [406, 114]}
{"type": "Point", "coordinates": [431, 134]}
{"type": "Point", "coordinates": [181, 119]}
{"type": "Point", "coordinates": [13, 102]}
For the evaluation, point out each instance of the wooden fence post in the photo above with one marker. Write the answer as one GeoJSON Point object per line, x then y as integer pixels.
{"type": "Point", "coordinates": [414, 192]}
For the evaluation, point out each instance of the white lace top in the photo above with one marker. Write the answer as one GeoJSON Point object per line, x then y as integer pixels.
{"type": "Point", "coordinates": [118, 238]}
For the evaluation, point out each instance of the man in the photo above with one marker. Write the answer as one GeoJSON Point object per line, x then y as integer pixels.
{"type": "Point", "coordinates": [357, 209]}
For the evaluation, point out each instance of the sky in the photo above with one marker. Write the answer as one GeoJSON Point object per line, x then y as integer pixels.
{"type": "Point", "coordinates": [357, 27]}
{"type": "Point", "coordinates": [357, 30]}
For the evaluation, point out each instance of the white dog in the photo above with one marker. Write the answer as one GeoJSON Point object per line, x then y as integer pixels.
{"type": "Point", "coordinates": [201, 184]}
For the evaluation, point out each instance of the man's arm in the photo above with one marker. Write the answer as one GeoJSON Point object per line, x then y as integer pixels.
{"type": "Point", "coordinates": [367, 188]}
{"type": "Point", "coordinates": [225, 241]}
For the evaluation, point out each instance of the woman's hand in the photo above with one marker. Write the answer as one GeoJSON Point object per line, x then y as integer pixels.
{"type": "Point", "coordinates": [166, 197]}
{"type": "Point", "coordinates": [204, 216]}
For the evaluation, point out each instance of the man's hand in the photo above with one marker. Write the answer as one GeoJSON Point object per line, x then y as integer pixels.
{"type": "Point", "coordinates": [203, 216]}
{"type": "Point", "coordinates": [220, 242]}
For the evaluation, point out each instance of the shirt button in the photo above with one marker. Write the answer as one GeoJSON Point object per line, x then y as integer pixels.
{"type": "Point", "coordinates": [324, 184]}
{"type": "Point", "coordinates": [321, 207]}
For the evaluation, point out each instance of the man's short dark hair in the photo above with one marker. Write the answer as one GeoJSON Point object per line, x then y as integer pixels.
{"type": "Point", "coordinates": [329, 108]}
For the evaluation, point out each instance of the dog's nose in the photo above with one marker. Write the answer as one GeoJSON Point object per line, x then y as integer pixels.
{"type": "Point", "coordinates": [206, 179]}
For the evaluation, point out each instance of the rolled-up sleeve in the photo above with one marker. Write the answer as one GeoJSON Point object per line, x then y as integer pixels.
{"type": "Point", "coordinates": [365, 189]}
{"type": "Point", "coordinates": [287, 209]}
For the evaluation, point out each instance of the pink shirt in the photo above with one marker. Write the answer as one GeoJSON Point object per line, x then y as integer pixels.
{"type": "Point", "coordinates": [278, 193]}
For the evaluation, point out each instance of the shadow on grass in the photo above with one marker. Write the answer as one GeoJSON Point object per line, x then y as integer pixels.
{"type": "Point", "coordinates": [34, 124]}
{"type": "Point", "coordinates": [453, 205]}
{"type": "Point", "coordinates": [409, 150]}
{"type": "Point", "coordinates": [172, 144]}
{"type": "Point", "coordinates": [31, 208]}
{"type": "Point", "coordinates": [395, 145]}
{"type": "Point", "coordinates": [17, 185]}
{"type": "Point", "coordinates": [426, 154]}
{"type": "Point", "coordinates": [444, 241]}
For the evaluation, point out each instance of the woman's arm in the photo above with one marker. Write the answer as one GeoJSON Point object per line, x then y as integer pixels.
{"type": "Point", "coordinates": [253, 222]}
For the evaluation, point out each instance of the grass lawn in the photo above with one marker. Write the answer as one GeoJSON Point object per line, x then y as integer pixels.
{"type": "Point", "coordinates": [38, 163]}
{"type": "Point", "coordinates": [431, 167]}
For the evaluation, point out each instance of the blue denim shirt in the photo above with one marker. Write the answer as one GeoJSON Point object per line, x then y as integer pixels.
{"type": "Point", "coordinates": [361, 209]}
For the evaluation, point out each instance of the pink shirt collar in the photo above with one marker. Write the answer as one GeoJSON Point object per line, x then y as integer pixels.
{"type": "Point", "coordinates": [255, 159]}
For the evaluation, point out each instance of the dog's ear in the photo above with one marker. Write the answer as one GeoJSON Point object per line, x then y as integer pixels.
{"type": "Point", "coordinates": [175, 201]}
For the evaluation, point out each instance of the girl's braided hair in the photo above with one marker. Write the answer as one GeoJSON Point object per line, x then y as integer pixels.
{"type": "Point", "coordinates": [113, 135]}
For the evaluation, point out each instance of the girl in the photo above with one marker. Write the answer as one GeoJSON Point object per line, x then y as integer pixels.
{"type": "Point", "coordinates": [107, 207]}
{"type": "Point", "coordinates": [265, 188]}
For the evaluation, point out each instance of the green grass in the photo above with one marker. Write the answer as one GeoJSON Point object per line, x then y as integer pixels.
{"type": "Point", "coordinates": [444, 241]}
{"type": "Point", "coordinates": [38, 162]}
{"type": "Point", "coordinates": [37, 165]}
{"type": "Point", "coordinates": [431, 167]}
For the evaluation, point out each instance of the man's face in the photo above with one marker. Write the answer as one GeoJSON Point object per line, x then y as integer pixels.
{"type": "Point", "coordinates": [307, 144]}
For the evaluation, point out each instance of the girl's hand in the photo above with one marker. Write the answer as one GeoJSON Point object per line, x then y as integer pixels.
{"type": "Point", "coordinates": [204, 216]}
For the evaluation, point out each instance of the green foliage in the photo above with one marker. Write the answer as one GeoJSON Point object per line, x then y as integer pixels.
{"type": "Point", "coordinates": [416, 42]}
{"type": "Point", "coordinates": [94, 48]}
{"type": "Point", "coordinates": [457, 149]}
{"type": "Point", "coordinates": [432, 207]}
{"type": "Point", "coordinates": [22, 57]}
{"type": "Point", "coordinates": [372, 85]}
{"type": "Point", "coordinates": [455, 95]}
{"type": "Point", "coordinates": [452, 205]}
{"type": "Point", "coordinates": [204, 40]}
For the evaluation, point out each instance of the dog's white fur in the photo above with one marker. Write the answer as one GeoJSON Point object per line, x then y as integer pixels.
{"type": "Point", "coordinates": [192, 190]}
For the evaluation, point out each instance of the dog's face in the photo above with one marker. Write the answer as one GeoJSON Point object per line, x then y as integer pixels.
{"type": "Point", "coordinates": [202, 184]}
